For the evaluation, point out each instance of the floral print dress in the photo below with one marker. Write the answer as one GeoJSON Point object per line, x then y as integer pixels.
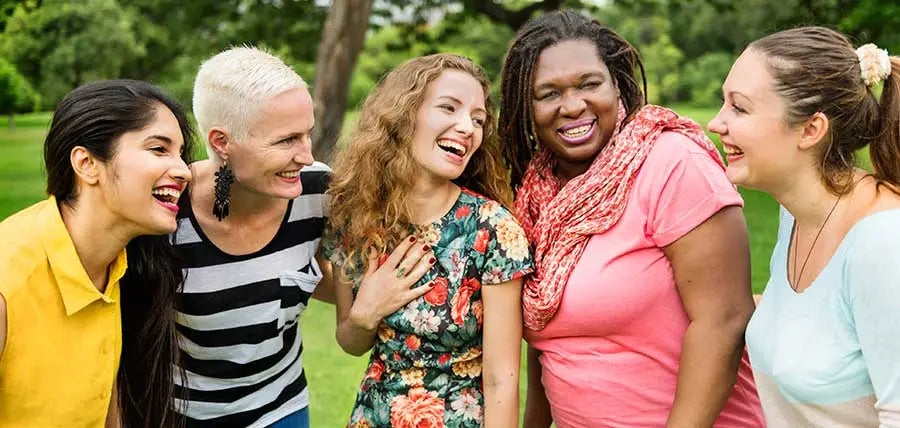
{"type": "Point", "coordinates": [425, 366]}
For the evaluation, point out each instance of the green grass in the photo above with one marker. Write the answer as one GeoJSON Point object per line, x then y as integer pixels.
{"type": "Point", "coordinates": [22, 178]}
{"type": "Point", "coordinates": [333, 375]}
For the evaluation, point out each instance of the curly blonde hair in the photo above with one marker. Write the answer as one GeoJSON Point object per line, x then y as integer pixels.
{"type": "Point", "coordinates": [374, 174]}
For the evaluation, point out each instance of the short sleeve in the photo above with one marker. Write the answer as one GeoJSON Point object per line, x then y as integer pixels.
{"type": "Point", "coordinates": [683, 186]}
{"type": "Point", "coordinates": [872, 291]}
{"type": "Point", "coordinates": [501, 248]}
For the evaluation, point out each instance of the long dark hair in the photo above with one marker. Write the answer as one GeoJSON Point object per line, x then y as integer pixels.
{"type": "Point", "coordinates": [815, 70]}
{"type": "Point", "coordinates": [517, 77]}
{"type": "Point", "coordinates": [94, 116]}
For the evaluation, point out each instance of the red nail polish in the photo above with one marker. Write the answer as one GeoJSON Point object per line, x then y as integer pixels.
{"type": "Point", "coordinates": [412, 238]}
{"type": "Point", "coordinates": [426, 248]}
{"type": "Point", "coordinates": [431, 261]}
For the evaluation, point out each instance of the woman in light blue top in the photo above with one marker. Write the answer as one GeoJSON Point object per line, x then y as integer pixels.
{"type": "Point", "coordinates": [825, 340]}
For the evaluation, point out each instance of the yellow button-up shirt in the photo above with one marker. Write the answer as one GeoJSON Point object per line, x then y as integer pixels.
{"type": "Point", "coordinates": [63, 337]}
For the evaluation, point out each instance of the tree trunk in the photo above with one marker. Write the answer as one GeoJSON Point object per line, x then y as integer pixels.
{"type": "Point", "coordinates": [342, 40]}
{"type": "Point", "coordinates": [12, 123]}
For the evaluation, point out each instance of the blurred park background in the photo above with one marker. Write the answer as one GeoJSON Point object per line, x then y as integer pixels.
{"type": "Point", "coordinates": [343, 47]}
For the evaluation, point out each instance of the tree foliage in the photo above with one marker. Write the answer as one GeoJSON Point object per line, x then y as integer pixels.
{"type": "Point", "coordinates": [61, 45]}
{"type": "Point", "coordinates": [16, 94]}
{"type": "Point", "coordinates": [686, 45]}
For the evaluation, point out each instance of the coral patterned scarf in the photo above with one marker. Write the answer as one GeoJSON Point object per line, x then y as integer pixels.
{"type": "Point", "coordinates": [559, 220]}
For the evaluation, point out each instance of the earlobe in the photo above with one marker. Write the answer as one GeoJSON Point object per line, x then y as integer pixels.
{"type": "Point", "coordinates": [84, 164]}
{"type": "Point", "coordinates": [814, 131]}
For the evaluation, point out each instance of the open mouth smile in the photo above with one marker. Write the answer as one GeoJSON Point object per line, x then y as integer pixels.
{"type": "Point", "coordinates": [732, 153]}
{"type": "Point", "coordinates": [167, 196]}
{"type": "Point", "coordinates": [578, 132]}
{"type": "Point", "coordinates": [453, 147]}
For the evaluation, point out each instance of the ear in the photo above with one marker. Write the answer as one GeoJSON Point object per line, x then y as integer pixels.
{"type": "Point", "coordinates": [218, 139]}
{"type": "Point", "coordinates": [814, 130]}
{"type": "Point", "coordinates": [85, 165]}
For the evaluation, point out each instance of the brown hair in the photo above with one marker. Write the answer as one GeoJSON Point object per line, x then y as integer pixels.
{"type": "Point", "coordinates": [95, 116]}
{"type": "Point", "coordinates": [816, 69]}
{"type": "Point", "coordinates": [516, 84]}
{"type": "Point", "coordinates": [374, 175]}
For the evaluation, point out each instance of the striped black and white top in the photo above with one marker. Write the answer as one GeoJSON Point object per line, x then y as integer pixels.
{"type": "Point", "coordinates": [238, 317]}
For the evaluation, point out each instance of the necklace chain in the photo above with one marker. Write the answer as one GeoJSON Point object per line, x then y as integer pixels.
{"type": "Point", "coordinates": [797, 276]}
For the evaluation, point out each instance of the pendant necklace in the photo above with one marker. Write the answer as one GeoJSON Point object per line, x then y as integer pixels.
{"type": "Point", "coordinates": [797, 276]}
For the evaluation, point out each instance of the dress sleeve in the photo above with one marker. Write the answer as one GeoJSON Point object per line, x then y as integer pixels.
{"type": "Point", "coordinates": [685, 188]}
{"type": "Point", "coordinates": [872, 292]}
{"type": "Point", "coordinates": [500, 246]}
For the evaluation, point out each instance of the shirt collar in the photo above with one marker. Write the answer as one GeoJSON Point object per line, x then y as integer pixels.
{"type": "Point", "coordinates": [74, 285]}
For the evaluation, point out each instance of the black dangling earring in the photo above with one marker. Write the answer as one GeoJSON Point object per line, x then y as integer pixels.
{"type": "Point", "coordinates": [224, 178]}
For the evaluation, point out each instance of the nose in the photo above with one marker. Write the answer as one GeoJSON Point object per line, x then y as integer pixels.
{"type": "Point", "coordinates": [572, 105]}
{"type": "Point", "coordinates": [717, 125]}
{"type": "Point", "coordinates": [464, 125]}
{"type": "Point", "coordinates": [304, 155]}
{"type": "Point", "coordinates": [181, 172]}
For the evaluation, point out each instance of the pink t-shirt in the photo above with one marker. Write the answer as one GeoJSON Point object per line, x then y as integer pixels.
{"type": "Point", "coordinates": [610, 355]}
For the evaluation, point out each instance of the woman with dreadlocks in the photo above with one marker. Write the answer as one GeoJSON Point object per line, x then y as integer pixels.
{"type": "Point", "coordinates": [641, 293]}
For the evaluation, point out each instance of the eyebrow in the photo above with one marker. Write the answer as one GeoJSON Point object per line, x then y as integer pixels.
{"type": "Point", "coordinates": [457, 101]}
{"type": "Point", "coordinates": [168, 141]}
{"type": "Point", "coordinates": [293, 134]}
{"type": "Point", "coordinates": [732, 94]}
{"type": "Point", "coordinates": [163, 138]}
{"type": "Point", "coordinates": [581, 77]}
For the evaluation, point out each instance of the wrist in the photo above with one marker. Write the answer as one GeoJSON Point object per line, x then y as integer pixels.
{"type": "Point", "coordinates": [363, 320]}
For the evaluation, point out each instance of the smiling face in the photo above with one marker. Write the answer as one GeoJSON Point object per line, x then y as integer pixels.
{"type": "Point", "coordinates": [277, 147]}
{"type": "Point", "coordinates": [146, 175]}
{"type": "Point", "coordinates": [761, 149]}
{"type": "Point", "coordinates": [449, 124]}
{"type": "Point", "coordinates": [575, 103]}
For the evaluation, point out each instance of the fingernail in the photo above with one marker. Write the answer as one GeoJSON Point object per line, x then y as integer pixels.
{"type": "Point", "coordinates": [426, 248]}
{"type": "Point", "coordinates": [412, 238]}
{"type": "Point", "coordinates": [431, 284]}
{"type": "Point", "coordinates": [431, 261]}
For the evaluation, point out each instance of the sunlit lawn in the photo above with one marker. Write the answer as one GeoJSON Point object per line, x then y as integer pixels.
{"type": "Point", "coordinates": [333, 375]}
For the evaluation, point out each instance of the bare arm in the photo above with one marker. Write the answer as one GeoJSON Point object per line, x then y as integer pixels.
{"type": "Point", "coordinates": [537, 408]}
{"type": "Point", "coordinates": [325, 288]}
{"type": "Point", "coordinates": [2, 325]}
{"type": "Point", "coordinates": [113, 419]}
{"type": "Point", "coordinates": [382, 291]}
{"type": "Point", "coordinates": [502, 349]}
{"type": "Point", "coordinates": [712, 272]}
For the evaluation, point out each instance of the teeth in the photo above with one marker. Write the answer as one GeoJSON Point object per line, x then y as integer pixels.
{"type": "Point", "coordinates": [729, 150]}
{"type": "Point", "coordinates": [167, 191]}
{"type": "Point", "coordinates": [459, 148]}
{"type": "Point", "coordinates": [291, 174]}
{"type": "Point", "coordinates": [579, 131]}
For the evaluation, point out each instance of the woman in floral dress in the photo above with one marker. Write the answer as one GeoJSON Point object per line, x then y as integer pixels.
{"type": "Point", "coordinates": [420, 179]}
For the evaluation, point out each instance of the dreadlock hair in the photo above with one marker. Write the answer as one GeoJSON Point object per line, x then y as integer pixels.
{"type": "Point", "coordinates": [516, 125]}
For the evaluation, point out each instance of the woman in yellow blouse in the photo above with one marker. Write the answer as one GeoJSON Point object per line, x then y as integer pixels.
{"type": "Point", "coordinates": [76, 350]}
